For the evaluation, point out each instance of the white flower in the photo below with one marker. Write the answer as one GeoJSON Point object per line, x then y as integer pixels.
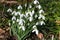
{"type": "Point", "coordinates": [33, 11]}
{"type": "Point", "coordinates": [39, 6]}
{"type": "Point", "coordinates": [34, 26]}
{"type": "Point", "coordinates": [30, 13]}
{"type": "Point", "coordinates": [13, 18]}
{"type": "Point", "coordinates": [21, 22]}
{"type": "Point", "coordinates": [42, 22]}
{"type": "Point", "coordinates": [30, 19]}
{"type": "Point", "coordinates": [19, 7]}
{"type": "Point", "coordinates": [41, 11]}
{"type": "Point", "coordinates": [13, 12]}
{"type": "Point", "coordinates": [9, 10]}
{"type": "Point", "coordinates": [35, 2]}
{"type": "Point", "coordinates": [26, 14]}
{"type": "Point", "coordinates": [18, 20]}
{"type": "Point", "coordinates": [43, 17]}
{"type": "Point", "coordinates": [23, 28]}
{"type": "Point", "coordinates": [36, 16]}
{"type": "Point", "coordinates": [21, 15]}
{"type": "Point", "coordinates": [36, 31]}
{"type": "Point", "coordinates": [17, 13]}
{"type": "Point", "coordinates": [40, 16]}
{"type": "Point", "coordinates": [30, 6]}
{"type": "Point", "coordinates": [37, 23]}
{"type": "Point", "coordinates": [25, 5]}
{"type": "Point", "coordinates": [9, 24]}
{"type": "Point", "coordinates": [13, 22]}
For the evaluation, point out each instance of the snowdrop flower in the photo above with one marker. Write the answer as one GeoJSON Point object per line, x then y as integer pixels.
{"type": "Point", "coordinates": [25, 5]}
{"type": "Point", "coordinates": [21, 15]}
{"type": "Point", "coordinates": [43, 17]}
{"type": "Point", "coordinates": [42, 22]}
{"type": "Point", "coordinates": [26, 14]}
{"type": "Point", "coordinates": [33, 11]}
{"type": "Point", "coordinates": [34, 26]}
{"type": "Point", "coordinates": [17, 13]}
{"type": "Point", "coordinates": [36, 16]}
{"type": "Point", "coordinates": [40, 16]}
{"type": "Point", "coordinates": [39, 6]}
{"type": "Point", "coordinates": [13, 22]}
{"type": "Point", "coordinates": [13, 18]}
{"type": "Point", "coordinates": [41, 11]}
{"type": "Point", "coordinates": [9, 10]}
{"type": "Point", "coordinates": [18, 20]}
{"type": "Point", "coordinates": [36, 31]}
{"type": "Point", "coordinates": [9, 24]}
{"type": "Point", "coordinates": [23, 28]}
{"type": "Point", "coordinates": [19, 7]}
{"type": "Point", "coordinates": [30, 6]}
{"type": "Point", "coordinates": [37, 23]}
{"type": "Point", "coordinates": [30, 13]}
{"type": "Point", "coordinates": [13, 12]}
{"type": "Point", "coordinates": [35, 2]}
{"type": "Point", "coordinates": [30, 19]}
{"type": "Point", "coordinates": [21, 22]}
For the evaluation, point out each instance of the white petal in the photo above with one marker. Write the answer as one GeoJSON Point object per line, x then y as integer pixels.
{"type": "Point", "coordinates": [43, 17]}
{"type": "Point", "coordinates": [9, 24]}
{"type": "Point", "coordinates": [18, 20]}
{"type": "Point", "coordinates": [34, 26]}
{"type": "Point", "coordinates": [36, 32]}
{"type": "Point", "coordinates": [42, 22]}
{"type": "Point", "coordinates": [26, 14]}
{"type": "Point", "coordinates": [41, 11]}
{"type": "Point", "coordinates": [39, 6]}
{"type": "Point", "coordinates": [13, 22]}
{"type": "Point", "coordinates": [40, 16]}
{"type": "Point", "coordinates": [36, 16]}
{"type": "Point", "coordinates": [37, 23]}
{"type": "Point", "coordinates": [17, 13]}
{"type": "Point", "coordinates": [35, 2]}
{"type": "Point", "coordinates": [25, 5]}
{"type": "Point", "coordinates": [33, 11]}
{"type": "Point", "coordinates": [30, 19]}
{"type": "Point", "coordinates": [21, 22]}
{"type": "Point", "coordinates": [13, 18]}
{"type": "Point", "coordinates": [19, 7]}
{"type": "Point", "coordinates": [33, 30]}
{"type": "Point", "coordinates": [9, 10]}
{"type": "Point", "coordinates": [23, 28]}
{"type": "Point", "coordinates": [13, 12]}
{"type": "Point", "coordinates": [30, 6]}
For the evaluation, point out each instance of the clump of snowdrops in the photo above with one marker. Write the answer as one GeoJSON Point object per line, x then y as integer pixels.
{"type": "Point", "coordinates": [26, 18]}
